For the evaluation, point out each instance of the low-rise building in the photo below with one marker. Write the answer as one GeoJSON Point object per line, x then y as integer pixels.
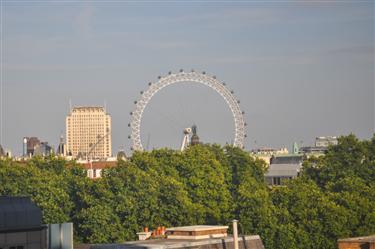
{"type": "Point", "coordinates": [367, 242]}
{"type": "Point", "coordinates": [200, 236]}
{"type": "Point", "coordinates": [325, 141]}
{"type": "Point", "coordinates": [283, 167]}
{"type": "Point", "coordinates": [95, 169]}
{"type": "Point", "coordinates": [267, 153]}
{"type": "Point", "coordinates": [21, 224]}
{"type": "Point", "coordinates": [21, 227]}
{"type": "Point", "coordinates": [313, 151]}
{"type": "Point", "coordinates": [320, 148]}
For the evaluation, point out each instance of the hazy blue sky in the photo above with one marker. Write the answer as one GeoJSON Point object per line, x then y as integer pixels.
{"type": "Point", "coordinates": [300, 68]}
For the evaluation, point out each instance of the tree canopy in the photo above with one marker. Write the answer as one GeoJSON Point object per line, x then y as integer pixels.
{"type": "Point", "coordinates": [207, 184]}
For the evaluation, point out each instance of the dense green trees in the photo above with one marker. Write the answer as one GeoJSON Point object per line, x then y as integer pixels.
{"type": "Point", "coordinates": [346, 175]}
{"type": "Point", "coordinates": [206, 184]}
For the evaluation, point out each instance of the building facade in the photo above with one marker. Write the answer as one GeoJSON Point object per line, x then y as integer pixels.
{"type": "Point", "coordinates": [2, 151]}
{"type": "Point", "coordinates": [283, 167]}
{"type": "Point", "coordinates": [367, 242]}
{"type": "Point", "coordinates": [321, 146]}
{"type": "Point", "coordinates": [21, 224]}
{"type": "Point", "coordinates": [88, 133]}
{"type": "Point", "coordinates": [32, 146]}
{"type": "Point", "coordinates": [61, 149]}
{"type": "Point", "coordinates": [267, 153]}
{"type": "Point", "coordinates": [325, 141]}
{"type": "Point", "coordinates": [29, 144]}
{"type": "Point", "coordinates": [43, 149]}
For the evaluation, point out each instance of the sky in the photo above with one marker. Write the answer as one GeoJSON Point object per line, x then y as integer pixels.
{"type": "Point", "coordinates": [300, 69]}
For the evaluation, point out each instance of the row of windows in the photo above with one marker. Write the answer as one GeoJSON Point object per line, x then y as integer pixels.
{"type": "Point", "coordinates": [87, 142]}
{"type": "Point", "coordinates": [87, 126]}
{"type": "Point", "coordinates": [14, 247]}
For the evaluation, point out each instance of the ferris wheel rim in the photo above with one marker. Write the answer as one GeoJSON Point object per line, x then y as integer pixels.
{"type": "Point", "coordinates": [193, 77]}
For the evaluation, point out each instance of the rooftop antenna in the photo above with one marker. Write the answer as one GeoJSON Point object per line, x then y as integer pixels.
{"type": "Point", "coordinates": [70, 105]}
{"type": "Point", "coordinates": [105, 106]}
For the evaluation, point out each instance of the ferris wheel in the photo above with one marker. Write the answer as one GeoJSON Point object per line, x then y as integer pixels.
{"type": "Point", "coordinates": [193, 77]}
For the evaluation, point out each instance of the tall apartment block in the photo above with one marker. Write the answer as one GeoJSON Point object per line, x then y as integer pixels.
{"type": "Point", "coordinates": [88, 133]}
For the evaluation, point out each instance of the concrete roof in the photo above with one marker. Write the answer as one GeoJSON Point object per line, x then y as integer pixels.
{"type": "Point", "coordinates": [196, 228]}
{"type": "Point", "coordinates": [364, 239]}
{"type": "Point", "coordinates": [288, 170]}
{"type": "Point", "coordinates": [254, 240]}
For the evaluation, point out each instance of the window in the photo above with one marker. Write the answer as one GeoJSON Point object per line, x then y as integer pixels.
{"type": "Point", "coordinates": [276, 181]}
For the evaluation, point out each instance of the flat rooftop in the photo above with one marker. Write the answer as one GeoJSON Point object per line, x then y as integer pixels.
{"type": "Point", "coordinates": [364, 239]}
{"type": "Point", "coordinates": [196, 228]}
{"type": "Point", "coordinates": [249, 241]}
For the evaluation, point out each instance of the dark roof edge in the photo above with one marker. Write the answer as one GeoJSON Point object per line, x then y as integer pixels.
{"type": "Point", "coordinates": [370, 238]}
{"type": "Point", "coordinates": [26, 229]}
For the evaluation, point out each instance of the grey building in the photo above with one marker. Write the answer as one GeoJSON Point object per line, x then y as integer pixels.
{"type": "Point", "coordinates": [313, 150]}
{"type": "Point", "coordinates": [21, 227]}
{"type": "Point", "coordinates": [325, 141]}
{"type": "Point", "coordinates": [43, 149]}
{"type": "Point", "coordinates": [21, 224]}
{"type": "Point", "coordinates": [61, 149]}
{"type": "Point", "coordinates": [29, 144]}
{"type": "Point", "coordinates": [2, 152]}
{"type": "Point", "coordinates": [321, 146]}
{"type": "Point", "coordinates": [283, 167]}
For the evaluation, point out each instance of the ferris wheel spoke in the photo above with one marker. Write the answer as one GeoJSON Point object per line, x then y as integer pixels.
{"type": "Point", "coordinates": [200, 78]}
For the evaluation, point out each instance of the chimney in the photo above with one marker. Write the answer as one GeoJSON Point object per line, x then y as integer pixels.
{"type": "Point", "coordinates": [144, 235]}
{"type": "Point", "coordinates": [235, 234]}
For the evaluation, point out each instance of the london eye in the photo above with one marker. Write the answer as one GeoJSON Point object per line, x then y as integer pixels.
{"type": "Point", "coordinates": [191, 77]}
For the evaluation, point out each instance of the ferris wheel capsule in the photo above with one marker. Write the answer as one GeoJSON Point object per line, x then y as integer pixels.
{"type": "Point", "coordinates": [181, 70]}
{"type": "Point", "coordinates": [129, 125]}
{"type": "Point", "coordinates": [149, 83]}
{"type": "Point", "coordinates": [129, 137]}
{"type": "Point", "coordinates": [204, 72]}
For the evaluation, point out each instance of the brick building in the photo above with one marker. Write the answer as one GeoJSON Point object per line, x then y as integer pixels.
{"type": "Point", "coordinates": [367, 242]}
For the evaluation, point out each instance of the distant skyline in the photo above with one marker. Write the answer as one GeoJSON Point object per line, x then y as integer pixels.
{"type": "Point", "coordinates": [301, 69]}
